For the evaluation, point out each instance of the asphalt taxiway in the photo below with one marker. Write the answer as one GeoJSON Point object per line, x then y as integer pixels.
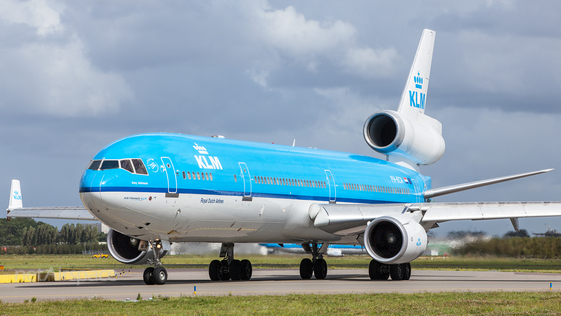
{"type": "Point", "coordinates": [278, 282]}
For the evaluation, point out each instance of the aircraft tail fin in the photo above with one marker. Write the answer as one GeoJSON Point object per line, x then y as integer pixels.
{"type": "Point", "coordinates": [414, 97]}
{"type": "Point", "coordinates": [15, 196]}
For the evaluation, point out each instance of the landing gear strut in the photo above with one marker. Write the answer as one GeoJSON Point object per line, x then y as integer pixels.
{"type": "Point", "coordinates": [229, 268]}
{"type": "Point", "coordinates": [380, 271]}
{"type": "Point", "coordinates": [317, 266]}
{"type": "Point", "coordinates": [157, 274]}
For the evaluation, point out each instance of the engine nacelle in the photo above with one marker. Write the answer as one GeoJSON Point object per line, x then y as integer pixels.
{"type": "Point", "coordinates": [395, 239]}
{"type": "Point", "coordinates": [125, 249]}
{"type": "Point", "coordinates": [419, 141]}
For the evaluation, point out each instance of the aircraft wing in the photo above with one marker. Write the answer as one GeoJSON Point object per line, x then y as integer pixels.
{"type": "Point", "coordinates": [348, 219]}
{"type": "Point", "coordinates": [62, 212]}
{"type": "Point", "coordinates": [16, 209]}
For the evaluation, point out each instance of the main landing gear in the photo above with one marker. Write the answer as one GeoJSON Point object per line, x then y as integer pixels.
{"type": "Point", "coordinates": [157, 274]}
{"type": "Point", "coordinates": [229, 268]}
{"type": "Point", "coordinates": [317, 266]}
{"type": "Point", "coordinates": [380, 271]}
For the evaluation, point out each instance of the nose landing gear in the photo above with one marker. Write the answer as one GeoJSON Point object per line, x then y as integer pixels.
{"type": "Point", "coordinates": [157, 274]}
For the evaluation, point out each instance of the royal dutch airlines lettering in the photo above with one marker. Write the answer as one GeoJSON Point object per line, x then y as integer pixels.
{"type": "Point", "coordinates": [417, 98]}
{"type": "Point", "coordinates": [202, 160]}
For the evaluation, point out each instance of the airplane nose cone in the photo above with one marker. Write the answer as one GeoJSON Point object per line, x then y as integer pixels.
{"type": "Point", "coordinates": [90, 188]}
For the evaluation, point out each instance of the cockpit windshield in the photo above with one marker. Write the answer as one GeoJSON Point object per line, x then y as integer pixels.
{"type": "Point", "coordinates": [131, 165]}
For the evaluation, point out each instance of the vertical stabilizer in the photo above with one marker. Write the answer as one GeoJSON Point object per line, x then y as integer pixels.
{"type": "Point", "coordinates": [15, 196]}
{"type": "Point", "coordinates": [408, 137]}
{"type": "Point", "coordinates": [414, 97]}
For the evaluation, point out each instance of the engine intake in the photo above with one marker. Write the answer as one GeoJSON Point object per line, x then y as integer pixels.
{"type": "Point", "coordinates": [390, 133]}
{"type": "Point", "coordinates": [395, 239]}
{"type": "Point", "coordinates": [125, 249]}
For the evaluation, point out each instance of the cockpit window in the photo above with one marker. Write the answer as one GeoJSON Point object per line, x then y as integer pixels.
{"type": "Point", "coordinates": [127, 165]}
{"type": "Point", "coordinates": [110, 164]}
{"type": "Point", "coordinates": [94, 165]}
{"type": "Point", "coordinates": [131, 165]}
{"type": "Point", "coordinates": [139, 166]}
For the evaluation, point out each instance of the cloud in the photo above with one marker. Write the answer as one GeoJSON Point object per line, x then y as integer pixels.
{"type": "Point", "coordinates": [34, 13]}
{"type": "Point", "coordinates": [50, 73]}
{"type": "Point", "coordinates": [290, 37]}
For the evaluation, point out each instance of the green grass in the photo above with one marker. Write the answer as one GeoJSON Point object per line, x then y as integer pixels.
{"type": "Point", "coordinates": [41, 262]}
{"type": "Point", "coordinates": [448, 303]}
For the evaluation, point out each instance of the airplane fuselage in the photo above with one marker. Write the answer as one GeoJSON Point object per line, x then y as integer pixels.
{"type": "Point", "coordinates": [185, 188]}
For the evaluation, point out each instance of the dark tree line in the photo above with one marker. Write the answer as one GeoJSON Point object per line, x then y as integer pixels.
{"type": "Point", "coordinates": [535, 247]}
{"type": "Point", "coordinates": [42, 238]}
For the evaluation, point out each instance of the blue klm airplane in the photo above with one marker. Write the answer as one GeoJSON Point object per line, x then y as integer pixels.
{"type": "Point", "coordinates": [153, 190]}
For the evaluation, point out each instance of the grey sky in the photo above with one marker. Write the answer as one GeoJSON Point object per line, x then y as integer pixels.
{"type": "Point", "coordinates": [78, 75]}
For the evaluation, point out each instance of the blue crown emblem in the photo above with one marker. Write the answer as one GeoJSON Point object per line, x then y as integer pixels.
{"type": "Point", "coordinates": [418, 81]}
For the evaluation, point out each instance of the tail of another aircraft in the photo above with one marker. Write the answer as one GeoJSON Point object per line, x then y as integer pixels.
{"type": "Point", "coordinates": [409, 137]}
{"type": "Point", "coordinates": [15, 196]}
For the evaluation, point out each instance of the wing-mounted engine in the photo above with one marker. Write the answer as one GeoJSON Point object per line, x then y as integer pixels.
{"type": "Point", "coordinates": [126, 249]}
{"type": "Point", "coordinates": [408, 135]}
{"type": "Point", "coordinates": [395, 239]}
{"type": "Point", "coordinates": [393, 134]}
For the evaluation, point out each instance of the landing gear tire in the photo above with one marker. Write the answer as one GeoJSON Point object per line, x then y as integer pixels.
{"type": "Point", "coordinates": [378, 271]}
{"type": "Point", "coordinates": [247, 270]}
{"type": "Point", "coordinates": [306, 269]}
{"type": "Point", "coordinates": [214, 270]}
{"type": "Point", "coordinates": [320, 269]}
{"type": "Point", "coordinates": [406, 267]}
{"type": "Point", "coordinates": [147, 276]}
{"type": "Point", "coordinates": [159, 276]}
{"type": "Point", "coordinates": [235, 270]}
{"type": "Point", "coordinates": [224, 271]}
{"type": "Point", "coordinates": [374, 270]}
{"type": "Point", "coordinates": [396, 271]}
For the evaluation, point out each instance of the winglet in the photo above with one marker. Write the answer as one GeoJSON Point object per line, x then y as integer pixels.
{"type": "Point", "coordinates": [15, 196]}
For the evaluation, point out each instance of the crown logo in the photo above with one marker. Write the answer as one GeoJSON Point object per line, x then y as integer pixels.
{"type": "Point", "coordinates": [200, 149]}
{"type": "Point", "coordinates": [418, 81]}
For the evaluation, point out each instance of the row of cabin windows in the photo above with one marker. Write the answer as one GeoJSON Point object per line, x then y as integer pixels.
{"type": "Point", "coordinates": [197, 176]}
{"type": "Point", "coordinates": [375, 188]}
{"type": "Point", "coordinates": [290, 182]}
{"type": "Point", "coordinates": [131, 165]}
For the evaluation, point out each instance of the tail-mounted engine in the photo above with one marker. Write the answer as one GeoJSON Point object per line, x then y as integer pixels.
{"type": "Point", "coordinates": [395, 239]}
{"type": "Point", "coordinates": [419, 141]}
{"type": "Point", "coordinates": [126, 249]}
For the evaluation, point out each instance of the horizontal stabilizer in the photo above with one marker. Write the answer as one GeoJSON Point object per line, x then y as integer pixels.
{"type": "Point", "coordinates": [472, 185]}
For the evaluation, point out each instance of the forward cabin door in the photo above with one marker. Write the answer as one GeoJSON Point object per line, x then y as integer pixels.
{"type": "Point", "coordinates": [246, 179]}
{"type": "Point", "coordinates": [170, 172]}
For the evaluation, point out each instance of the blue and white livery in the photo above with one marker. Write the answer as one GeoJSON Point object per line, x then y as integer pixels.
{"type": "Point", "coordinates": [153, 190]}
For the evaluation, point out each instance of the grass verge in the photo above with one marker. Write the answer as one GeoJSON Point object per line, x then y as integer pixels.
{"type": "Point", "coordinates": [447, 303]}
